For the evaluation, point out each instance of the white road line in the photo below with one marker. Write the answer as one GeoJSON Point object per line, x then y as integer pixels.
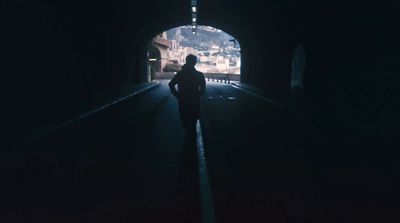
{"type": "Point", "coordinates": [261, 97]}
{"type": "Point", "coordinates": [207, 205]}
{"type": "Point", "coordinates": [266, 99]}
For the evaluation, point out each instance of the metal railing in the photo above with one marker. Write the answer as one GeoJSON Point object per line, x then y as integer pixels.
{"type": "Point", "coordinates": [214, 77]}
{"type": "Point", "coordinates": [222, 78]}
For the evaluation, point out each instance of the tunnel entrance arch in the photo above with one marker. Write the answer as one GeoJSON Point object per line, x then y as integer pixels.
{"type": "Point", "coordinates": [218, 53]}
{"type": "Point", "coordinates": [154, 61]}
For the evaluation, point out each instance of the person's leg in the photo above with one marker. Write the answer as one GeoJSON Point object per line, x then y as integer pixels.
{"type": "Point", "coordinates": [182, 115]}
{"type": "Point", "coordinates": [191, 125]}
{"type": "Point", "coordinates": [189, 113]}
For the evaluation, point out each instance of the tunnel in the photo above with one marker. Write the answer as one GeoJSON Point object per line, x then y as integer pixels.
{"type": "Point", "coordinates": [89, 136]}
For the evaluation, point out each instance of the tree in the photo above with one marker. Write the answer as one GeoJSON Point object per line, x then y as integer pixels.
{"type": "Point", "coordinates": [172, 67]}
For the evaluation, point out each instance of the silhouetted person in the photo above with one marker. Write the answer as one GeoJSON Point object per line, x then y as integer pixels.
{"type": "Point", "coordinates": [191, 85]}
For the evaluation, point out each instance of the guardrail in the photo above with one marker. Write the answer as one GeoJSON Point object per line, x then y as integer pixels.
{"type": "Point", "coordinates": [215, 77]}
{"type": "Point", "coordinates": [223, 78]}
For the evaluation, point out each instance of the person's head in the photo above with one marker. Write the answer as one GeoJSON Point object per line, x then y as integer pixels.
{"type": "Point", "coordinates": [191, 60]}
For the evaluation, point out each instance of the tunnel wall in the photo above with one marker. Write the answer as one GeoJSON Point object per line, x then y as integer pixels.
{"type": "Point", "coordinates": [263, 33]}
{"type": "Point", "coordinates": [351, 51]}
{"type": "Point", "coordinates": [64, 57]}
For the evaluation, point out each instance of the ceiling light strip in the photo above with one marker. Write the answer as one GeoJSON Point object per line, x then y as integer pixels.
{"type": "Point", "coordinates": [194, 11]}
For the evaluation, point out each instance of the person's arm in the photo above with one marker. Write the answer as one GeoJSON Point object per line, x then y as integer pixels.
{"type": "Point", "coordinates": [172, 84]}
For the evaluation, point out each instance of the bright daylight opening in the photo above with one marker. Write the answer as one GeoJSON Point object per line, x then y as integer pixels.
{"type": "Point", "coordinates": [218, 53]}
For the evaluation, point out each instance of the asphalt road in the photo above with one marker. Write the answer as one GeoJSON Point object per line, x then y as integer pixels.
{"type": "Point", "coordinates": [132, 162]}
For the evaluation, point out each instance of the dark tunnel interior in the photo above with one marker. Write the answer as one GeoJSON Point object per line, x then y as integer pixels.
{"type": "Point", "coordinates": [67, 54]}
{"type": "Point", "coordinates": [63, 58]}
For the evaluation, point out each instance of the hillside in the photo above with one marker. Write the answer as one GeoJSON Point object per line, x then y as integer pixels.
{"type": "Point", "coordinates": [204, 38]}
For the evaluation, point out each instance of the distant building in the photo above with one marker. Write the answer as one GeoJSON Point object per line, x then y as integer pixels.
{"type": "Point", "coordinates": [212, 60]}
{"type": "Point", "coordinates": [203, 59]}
{"type": "Point", "coordinates": [176, 57]}
{"type": "Point", "coordinates": [212, 57]}
{"type": "Point", "coordinates": [157, 55]}
{"type": "Point", "coordinates": [222, 64]}
{"type": "Point", "coordinates": [190, 50]}
{"type": "Point", "coordinates": [209, 28]}
{"type": "Point", "coordinates": [161, 43]}
{"type": "Point", "coordinates": [215, 47]}
{"type": "Point", "coordinates": [173, 45]}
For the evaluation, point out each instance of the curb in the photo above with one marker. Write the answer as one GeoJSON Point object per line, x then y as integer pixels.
{"type": "Point", "coordinates": [100, 108]}
{"type": "Point", "coordinates": [263, 98]}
